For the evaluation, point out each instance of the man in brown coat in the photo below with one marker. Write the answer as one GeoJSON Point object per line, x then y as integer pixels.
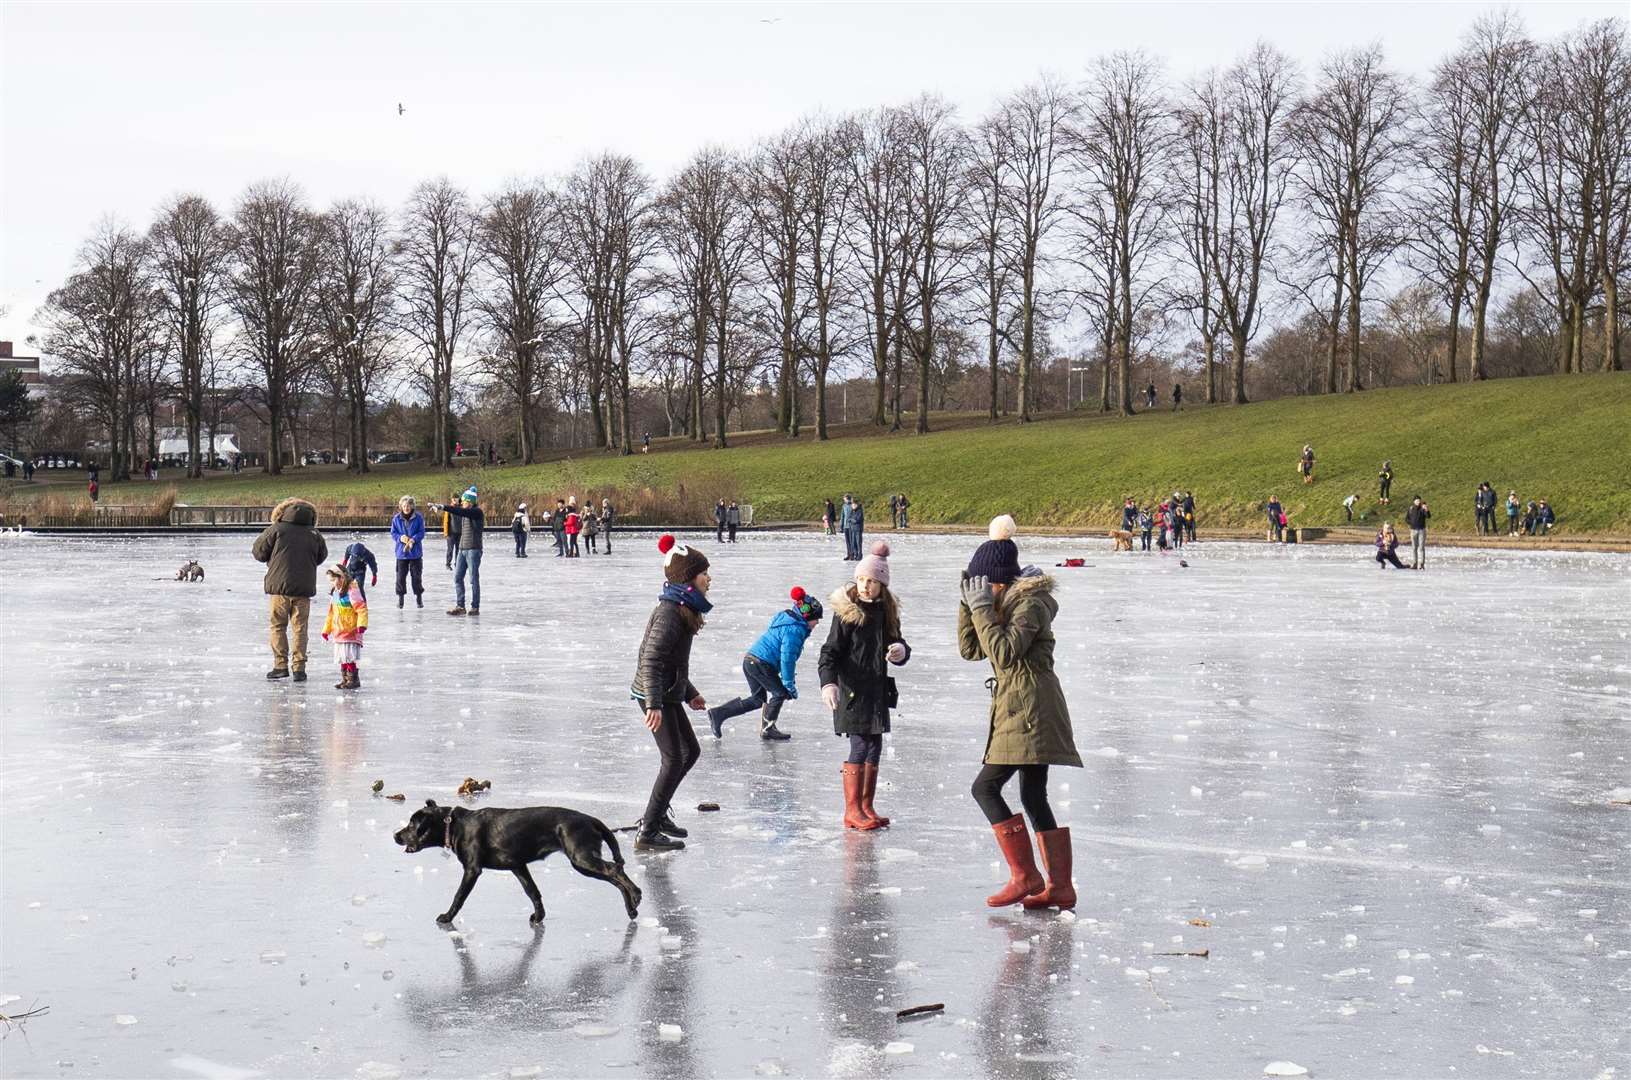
{"type": "Point", "coordinates": [292, 549]}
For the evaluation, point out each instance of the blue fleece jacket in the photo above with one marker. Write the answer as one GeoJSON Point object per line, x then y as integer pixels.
{"type": "Point", "coordinates": [781, 645]}
{"type": "Point", "coordinates": [413, 527]}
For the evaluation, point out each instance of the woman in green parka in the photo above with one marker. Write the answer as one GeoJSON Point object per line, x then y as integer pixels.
{"type": "Point", "coordinates": [1006, 617]}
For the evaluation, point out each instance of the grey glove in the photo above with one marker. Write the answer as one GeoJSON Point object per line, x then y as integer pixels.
{"type": "Point", "coordinates": [977, 593]}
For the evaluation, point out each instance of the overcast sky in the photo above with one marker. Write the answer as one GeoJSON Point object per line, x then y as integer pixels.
{"type": "Point", "coordinates": [111, 108]}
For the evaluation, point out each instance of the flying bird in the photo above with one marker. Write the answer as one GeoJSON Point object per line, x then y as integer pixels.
{"type": "Point", "coordinates": [769, 21]}
{"type": "Point", "coordinates": [399, 109]}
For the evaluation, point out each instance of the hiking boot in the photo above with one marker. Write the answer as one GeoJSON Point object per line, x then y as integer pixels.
{"type": "Point", "coordinates": [655, 841]}
{"type": "Point", "coordinates": [278, 673]}
{"type": "Point", "coordinates": [400, 601]}
{"type": "Point", "coordinates": [475, 611]}
{"type": "Point", "coordinates": [300, 676]}
{"type": "Point", "coordinates": [771, 733]}
{"type": "Point", "coordinates": [420, 600]}
{"type": "Point", "coordinates": [455, 611]}
{"type": "Point", "coordinates": [668, 827]}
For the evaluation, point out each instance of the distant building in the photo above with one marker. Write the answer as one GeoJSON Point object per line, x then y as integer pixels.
{"type": "Point", "coordinates": [28, 365]}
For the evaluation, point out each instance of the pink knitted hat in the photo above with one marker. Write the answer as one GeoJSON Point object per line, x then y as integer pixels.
{"type": "Point", "coordinates": [875, 565]}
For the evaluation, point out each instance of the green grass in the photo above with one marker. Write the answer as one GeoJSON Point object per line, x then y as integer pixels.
{"type": "Point", "coordinates": [1565, 438]}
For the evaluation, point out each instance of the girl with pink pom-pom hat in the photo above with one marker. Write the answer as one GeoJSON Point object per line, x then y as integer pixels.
{"type": "Point", "coordinates": [863, 641]}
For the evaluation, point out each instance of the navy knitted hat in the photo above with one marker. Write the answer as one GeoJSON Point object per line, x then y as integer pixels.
{"type": "Point", "coordinates": [997, 561]}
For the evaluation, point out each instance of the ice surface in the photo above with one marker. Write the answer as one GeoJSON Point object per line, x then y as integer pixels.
{"type": "Point", "coordinates": [1386, 775]}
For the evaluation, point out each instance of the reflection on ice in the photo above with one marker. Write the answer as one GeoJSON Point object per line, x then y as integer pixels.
{"type": "Point", "coordinates": [1332, 819]}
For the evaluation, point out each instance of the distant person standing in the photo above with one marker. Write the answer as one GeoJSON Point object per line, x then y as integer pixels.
{"type": "Point", "coordinates": [645, 443]}
{"type": "Point", "coordinates": [591, 527]}
{"type": "Point", "coordinates": [1276, 518]}
{"type": "Point", "coordinates": [521, 528]}
{"type": "Point", "coordinates": [844, 512]}
{"type": "Point", "coordinates": [1512, 508]}
{"type": "Point", "coordinates": [450, 529]}
{"type": "Point", "coordinates": [905, 504]}
{"type": "Point", "coordinates": [607, 514]}
{"type": "Point", "coordinates": [894, 511]}
{"type": "Point", "coordinates": [857, 529]}
{"type": "Point", "coordinates": [1416, 518]}
{"type": "Point", "coordinates": [93, 484]}
{"type": "Point", "coordinates": [733, 521]}
{"type": "Point", "coordinates": [1149, 396]}
{"type": "Point", "coordinates": [1129, 514]}
{"type": "Point", "coordinates": [829, 517]}
{"type": "Point", "coordinates": [408, 538]}
{"type": "Point", "coordinates": [1146, 526]}
{"type": "Point", "coordinates": [1305, 464]}
{"type": "Point", "coordinates": [574, 527]}
{"type": "Point", "coordinates": [1177, 397]}
{"type": "Point", "coordinates": [557, 528]}
{"type": "Point", "coordinates": [719, 522]}
{"type": "Point", "coordinates": [1384, 483]}
{"type": "Point", "coordinates": [1189, 514]}
{"type": "Point", "coordinates": [1348, 507]}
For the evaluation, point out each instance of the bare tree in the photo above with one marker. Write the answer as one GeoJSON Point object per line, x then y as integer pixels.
{"type": "Point", "coordinates": [876, 161]}
{"type": "Point", "coordinates": [1495, 59]}
{"type": "Point", "coordinates": [934, 155]}
{"type": "Point", "coordinates": [356, 284]}
{"type": "Point", "coordinates": [1196, 164]}
{"type": "Point", "coordinates": [1124, 147]}
{"type": "Point", "coordinates": [192, 250]}
{"type": "Point", "coordinates": [829, 179]}
{"type": "Point", "coordinates": [438, 253]}
{"type": "Point", "coordinates": [271, 291]}
{"type": "Point", "coordinates": [1035, 122]}
{"type": "Point", "coordinates": [990, 246]}
{"type": "Point", "coordinates": [776, 189]}
{"type": "Point", "coordinates": [1442, 210]}
{"type": "Point", "coordinates": [1250, 106]}
{"type": "Point", "coordinates": [1349, 134]}
{"type": "Point", "coordinates": [520, 243]}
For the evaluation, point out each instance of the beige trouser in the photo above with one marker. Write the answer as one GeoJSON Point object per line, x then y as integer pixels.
{"type": "Point", "coordinates": [289, 613]}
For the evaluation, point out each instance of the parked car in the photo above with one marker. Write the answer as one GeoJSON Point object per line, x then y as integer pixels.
{"type": "Point", "coordinates": [393, 457]}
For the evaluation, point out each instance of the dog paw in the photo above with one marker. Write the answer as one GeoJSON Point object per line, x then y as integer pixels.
{"type": "Point", "coordinates": [444, 920]}
{"type": "Point", "coordinates": [536, 918]}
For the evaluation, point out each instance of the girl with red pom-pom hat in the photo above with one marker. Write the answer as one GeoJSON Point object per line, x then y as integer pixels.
{"type": "Point", "coordinates": [662, 686]}
{"type": "Point", "coordinates": [770, 665]}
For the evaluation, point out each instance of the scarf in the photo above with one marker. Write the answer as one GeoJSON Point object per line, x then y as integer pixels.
{"type": "Point", "coordinates": [686, 596]}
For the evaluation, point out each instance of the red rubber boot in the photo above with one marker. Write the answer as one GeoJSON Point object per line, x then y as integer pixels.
{"type": "Point", "coordinates": [869, 788]}
{"type": "Point", "coordinates": [1023, 879]}
{"type": "Point", "coordinates": [854, 816]}
{"type": "Point", "coordinates": [1056, 859]}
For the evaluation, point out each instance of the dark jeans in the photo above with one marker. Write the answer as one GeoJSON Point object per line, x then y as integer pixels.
{"type": "Point", "coordinates": [865, 749]}
{"type": "Point", "coordinates": [571, 545]}
{"type": "Point", "coordinates": [730, 531]}
{"type": "Point", "coordinates": [719, 532]}
{"type": "Point", "coordinates": [1189, 527]}
{"type": "Point", "coordinates": [1145, 535]}
{"type": "Point", "coordinates": [677, 743]}
{"type": "Point", "coordinates": [767, 692]}
{"type": "Point", "coordinates": [1385, 557]}
{"type": "Point", "coordinates": [606, 531]}
{"type": "Point", "coordinates": [1033, 794]}
{"type": "Point", "coordinates": [589, 542]}
{"type": "Point", "coordinates": [406, 568]}
{"type": "Point", "coordinates": [560, 544]}
{"type": "Point", "coordinates": [520, 545]}
{"type": "Point", "coordinates": [1385, 490]}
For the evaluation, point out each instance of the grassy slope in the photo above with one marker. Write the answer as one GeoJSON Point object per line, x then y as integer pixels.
{"type": "Point", "coordinates": [1566, 439]}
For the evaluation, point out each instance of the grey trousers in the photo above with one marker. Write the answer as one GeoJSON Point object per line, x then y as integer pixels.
{"type": "Point", "coordinates": [1418, 549]}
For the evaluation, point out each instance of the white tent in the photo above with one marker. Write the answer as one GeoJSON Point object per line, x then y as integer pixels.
{"type": "Point", "coordinates": [224, 445]}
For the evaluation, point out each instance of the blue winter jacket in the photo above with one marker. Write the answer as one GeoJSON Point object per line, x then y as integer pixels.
{"type": "Point", "coordinates": [782, 644]}
{"type": "Point", "coordinates": [412, 527]}
{"type": "Point", "coordinates": [357, 556]}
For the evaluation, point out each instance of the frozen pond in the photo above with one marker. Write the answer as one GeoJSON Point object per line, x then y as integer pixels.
{"type": "Point", "coordinates": [1390, 796]}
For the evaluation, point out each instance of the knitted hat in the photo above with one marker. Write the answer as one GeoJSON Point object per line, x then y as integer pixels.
{"type": "Point", "coordinates": [997, 560]}
{"type": "Point", "coordinates": [469, 495]}
{"type": "Point", "coordinates": [680, 563]}
{"type": "Point", "coordinates": [807, 606]}
{"type": "Point", "coordinates": [875, 565]}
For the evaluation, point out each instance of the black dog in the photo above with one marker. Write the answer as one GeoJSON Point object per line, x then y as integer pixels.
{"type": "Point", "coordinates": [496, 839]}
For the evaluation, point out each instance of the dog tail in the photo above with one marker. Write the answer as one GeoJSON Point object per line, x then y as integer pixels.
{"type": "Point", "coordinates": [611, 841]}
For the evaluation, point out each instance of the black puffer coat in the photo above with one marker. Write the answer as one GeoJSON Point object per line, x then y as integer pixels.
{"type": "Point", "coordinates": [662, 675]}
{"type": "Point", "coordinates": [292, 549]}
{"type": "Point", "coordinates": [854, 658]}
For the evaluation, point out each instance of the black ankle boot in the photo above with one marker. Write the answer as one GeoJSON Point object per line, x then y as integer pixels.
{"type": "Point", "coordinates": [667, 826]}
{"type": "Point", "coordinates": [655, 841]}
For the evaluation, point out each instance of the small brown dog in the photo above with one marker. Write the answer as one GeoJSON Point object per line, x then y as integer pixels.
{"type": "Point", "coordinates": [1123, 539]}
{"type": "Point", "coordinates": [190, 572]}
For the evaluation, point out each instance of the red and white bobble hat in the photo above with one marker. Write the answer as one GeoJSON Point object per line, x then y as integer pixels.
{"type": "Point", "coordinates": [680, 563]}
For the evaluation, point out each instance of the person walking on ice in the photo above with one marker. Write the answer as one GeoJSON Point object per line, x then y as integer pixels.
{"type": "Point", "coordinates": [521, 528]}
{"type": "Point", "coordinates": [770, 667]}
{"type": "Point", "coordinates": [292, 549]}
{"type": "Point", "coordinates": [1006, 617]}
{"type": "Point", "coordinates": [408, 538]}
{"type": "Point", "coordinates": [345, 624]}
{"type": "Point", "coordinates": [662, 687]}
{"type": "Point", "coordinates": [472, 523]}
{"type": "Point", "coordinates": [863, 639]}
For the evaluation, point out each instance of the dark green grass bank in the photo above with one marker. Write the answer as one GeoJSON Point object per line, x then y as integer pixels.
{"type": "Point", "coordinates": [1566, 439]}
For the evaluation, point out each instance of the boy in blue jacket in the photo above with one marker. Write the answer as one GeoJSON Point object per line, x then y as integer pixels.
{"type": "Point", "coordinates": [770, 665]}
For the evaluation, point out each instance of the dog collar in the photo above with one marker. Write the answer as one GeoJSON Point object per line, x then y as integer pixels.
{"type": "Point", "coordinates": [447, 835]}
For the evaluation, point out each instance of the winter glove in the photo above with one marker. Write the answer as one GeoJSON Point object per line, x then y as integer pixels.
{"type": "Point", "coordinates": [829, 696]}
{"type": "Point", "coordinates": [374, 582]}
{"type": "Point", "coordinates": [896, 653]}
{"type": "Point", "coordinates": [977, 593]}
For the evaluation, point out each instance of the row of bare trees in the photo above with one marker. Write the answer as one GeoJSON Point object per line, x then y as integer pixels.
{"type": "Point", "coordinates": [1124, 210]}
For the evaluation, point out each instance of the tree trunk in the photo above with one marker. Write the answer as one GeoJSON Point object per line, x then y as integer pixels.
{"type": "Point", "coordinates": [1237, 381]}
{"type": "Point", "coordinates": [925, 357]}
{"type": "Point", "coordinates": [991, 355]}
{"type": "Point", "coordinates": [1480, 322]}
{"type": "Point", "coordinates": [895, 425]}
{"type": "Point", "coordinates": [1611, 322]}
{"type": "Point", "coordinates": [1027, 339]}
{"type": "Point", "coordinates": [1455, 334]}
{"type": "Point", "coordinates": [1210, 347]}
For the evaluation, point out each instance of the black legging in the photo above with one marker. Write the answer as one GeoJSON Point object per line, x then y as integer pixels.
{"type": "Point", "coordinates": [1033, 794]}
{"type": "Point", "coordinates": [678, 745]}
{"type": "Point", "coordinates": [865, 749]}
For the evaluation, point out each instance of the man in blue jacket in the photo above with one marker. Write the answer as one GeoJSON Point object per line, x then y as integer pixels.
{"type": "Point", "coordinates": [408, 538]}
{"type": "Point", "coordinates": [770, 666]}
